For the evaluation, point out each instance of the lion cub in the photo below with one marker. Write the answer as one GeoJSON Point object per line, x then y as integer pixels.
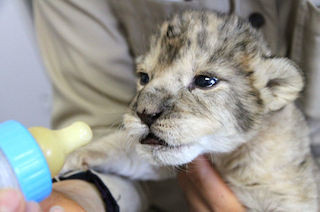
{"type": "Point", "coordinates": [209, 84]}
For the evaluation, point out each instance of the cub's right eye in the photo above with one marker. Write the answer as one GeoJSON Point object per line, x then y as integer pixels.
{"type": "Point", "coordinates": [144, 78]}
{"type": "Point", "coordinates": [202, 81]}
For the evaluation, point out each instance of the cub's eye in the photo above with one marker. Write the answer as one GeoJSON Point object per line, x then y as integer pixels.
{"type": "Point", "coordinates": [144, 78]}
{"type": "Point", "coordinates": [203, 81]}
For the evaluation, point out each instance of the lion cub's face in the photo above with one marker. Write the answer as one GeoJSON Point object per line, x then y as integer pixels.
{"type": "Point", "coordinates": [205, 85]}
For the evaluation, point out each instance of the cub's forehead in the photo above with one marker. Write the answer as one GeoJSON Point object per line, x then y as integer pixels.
{"type": "Point", "coordinates": [202, 37]}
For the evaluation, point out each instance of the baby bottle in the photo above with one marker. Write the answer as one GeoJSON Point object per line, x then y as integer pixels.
{"type": "Point", "coordinates": [30, 158]}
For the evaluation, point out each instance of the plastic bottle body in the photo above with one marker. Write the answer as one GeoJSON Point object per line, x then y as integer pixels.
{"type": "Point", "coordinates": [8, 178]}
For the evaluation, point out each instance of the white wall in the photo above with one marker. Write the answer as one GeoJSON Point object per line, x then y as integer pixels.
{"type": "Point", "coordinates": [25, 92]}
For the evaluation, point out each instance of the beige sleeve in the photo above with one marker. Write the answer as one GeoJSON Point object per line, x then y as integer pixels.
{"type": "Point", "coordinates": [305, 50]}
{"type": "Point", "coordinates": [88, 61]}
{"type": "Point", "coordinates": [310, 58]}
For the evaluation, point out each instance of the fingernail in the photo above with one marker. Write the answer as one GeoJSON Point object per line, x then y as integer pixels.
{"type": "Point", "coordinates": [56, 208]}
{"type": "Point", "coordinates": [9, 200]}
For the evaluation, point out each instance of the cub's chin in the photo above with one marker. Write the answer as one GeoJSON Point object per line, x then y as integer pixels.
{"type": "Point", "coordinates": [158, 152]}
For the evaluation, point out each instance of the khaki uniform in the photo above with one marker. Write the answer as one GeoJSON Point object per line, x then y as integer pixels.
{"type": "Point", "coordinates": [88, 48]}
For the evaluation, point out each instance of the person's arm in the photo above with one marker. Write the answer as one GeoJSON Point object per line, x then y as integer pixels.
{"type": "Point", "coordinates": [205, 189]}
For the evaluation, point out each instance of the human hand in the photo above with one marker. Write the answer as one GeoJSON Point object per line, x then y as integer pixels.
{"type": "Point", "coordinates": [69, 195]}
{"type": "Point", "coordinates": [205, 189]}
{"type": "Point", "coordinates": [13, 201]}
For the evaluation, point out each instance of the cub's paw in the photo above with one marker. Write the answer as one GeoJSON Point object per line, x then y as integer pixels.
{"type": "Point", "coordinates": [82, 159]}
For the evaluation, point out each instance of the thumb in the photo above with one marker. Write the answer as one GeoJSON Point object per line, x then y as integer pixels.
{"type": "Point", "coordinates": [11, 201]}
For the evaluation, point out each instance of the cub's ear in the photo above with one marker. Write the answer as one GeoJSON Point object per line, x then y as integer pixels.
{"type": "Point", "coordinates": [279, 81]}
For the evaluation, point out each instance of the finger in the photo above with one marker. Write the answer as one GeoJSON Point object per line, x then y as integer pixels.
{"type": "Point", "coordinates": [211, 186]}
{"type": "Point", "coordinates": [11, 201]}
{"type": "Point", "coordinates": [196, 203]}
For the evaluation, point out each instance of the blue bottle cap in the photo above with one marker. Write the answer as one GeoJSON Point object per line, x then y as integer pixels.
{"type": "Point", "coordinates": [27, 161]}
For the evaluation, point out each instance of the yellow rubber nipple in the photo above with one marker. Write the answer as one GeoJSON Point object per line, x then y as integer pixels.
{"type": "Point", "coordinates": [57, 144]}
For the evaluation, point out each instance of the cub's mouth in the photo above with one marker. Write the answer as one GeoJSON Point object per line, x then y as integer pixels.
{"type": "Point", "coordinates": [152, 139]}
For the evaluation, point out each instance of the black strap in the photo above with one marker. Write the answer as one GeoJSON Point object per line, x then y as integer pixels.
{"type": "Point", "coordinates": [110, 202]}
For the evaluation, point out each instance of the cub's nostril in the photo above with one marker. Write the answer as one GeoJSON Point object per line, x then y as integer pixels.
{"type": "Point", "coordinates": [148, 119]}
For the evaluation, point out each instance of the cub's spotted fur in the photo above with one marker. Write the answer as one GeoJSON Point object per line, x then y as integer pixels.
{"type": "Point", "coordinates": [209, 84]}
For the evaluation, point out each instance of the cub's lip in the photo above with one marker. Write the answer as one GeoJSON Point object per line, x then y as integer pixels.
{"type": "Point", "coordinates": [152, 139]}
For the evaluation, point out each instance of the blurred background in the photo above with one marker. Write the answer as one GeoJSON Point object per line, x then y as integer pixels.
{"type": "Point", "coordinates": [25, 91]}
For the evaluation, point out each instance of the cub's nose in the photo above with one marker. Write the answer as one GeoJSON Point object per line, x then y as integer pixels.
{"type": "Point", "coordinates": [148, 119]}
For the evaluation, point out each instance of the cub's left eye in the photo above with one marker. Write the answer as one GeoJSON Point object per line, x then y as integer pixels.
{"type": "Point", "coordinates": [144, 78]}
{"type": "Point", "coordinates": [203, 81]}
